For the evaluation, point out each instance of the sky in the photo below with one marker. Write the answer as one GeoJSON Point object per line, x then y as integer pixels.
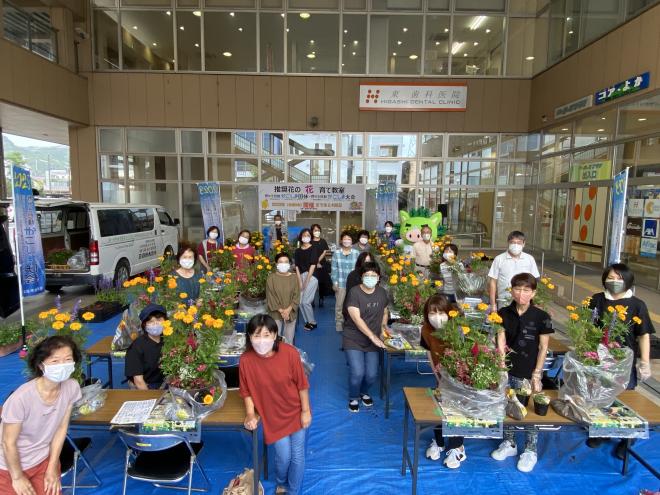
{"type": "Point", "coordinates": [24, 142]}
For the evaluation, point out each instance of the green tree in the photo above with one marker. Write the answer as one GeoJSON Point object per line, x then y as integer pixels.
{"type": "Point", "coordinates": [16, 157]}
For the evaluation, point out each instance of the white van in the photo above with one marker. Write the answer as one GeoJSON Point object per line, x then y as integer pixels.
{"type": "Point", "coordinates": [117, 240]}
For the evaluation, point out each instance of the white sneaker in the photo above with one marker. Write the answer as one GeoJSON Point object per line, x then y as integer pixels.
{"type": "Point", "coordinates": [506, 449]}
{"type": "Point", "coordinates": [454, 458]}
{"type": "Point", "coordinates": [434, 451]}
{"type": "Point", "coordinates": [527, 461]}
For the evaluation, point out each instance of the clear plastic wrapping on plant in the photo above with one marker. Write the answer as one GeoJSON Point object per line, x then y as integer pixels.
{"type": "Point", "coordinates": [129, 325]}
{"type": "Point", "coordinates": [595, 386]}
{"type": "Point", "coordinates": [412, 333]}
{"type": "Point", "coordinates": [473, 403]}
{"type": "Point", "coordinates": [469, 284]}
{"type": "Point", "coordinates": [199, 409]}
{"type": "Point", "coordinates": [308, 366]}
{"type": "Point", "coordinates": [515, 409]}
{"type": "Point", "coordinates": [93, 398]}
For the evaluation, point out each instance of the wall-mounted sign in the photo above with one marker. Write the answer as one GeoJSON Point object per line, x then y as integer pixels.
{"type": "Point", "coordinates": [634, 227]}
{"type": "Point", "coordinates": [636, 207]}
{"type": "Point", "coordinates": [588, 171]}
{"type": "Point", "coordinates": [574, 106]}
{"type": "Point", "coordinates": [650, 228]}
{"type": "Point", "coordinates": [311, 197]}
{"type": "Point", "coordinates": [648, 248]}
{"type": "Point", "coordinates": [623, 88]}
{"type": "Point", "coordinates": [652, 208]}
{"type": "Point", "coordinates": [415, 97]}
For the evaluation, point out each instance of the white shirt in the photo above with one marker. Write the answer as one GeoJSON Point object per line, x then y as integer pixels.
{"type": "Point", "coordinates": [505, 267]}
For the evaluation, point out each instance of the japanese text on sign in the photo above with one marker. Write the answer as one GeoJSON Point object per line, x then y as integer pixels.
{"type": "Point", "coordinates": [403, 97]}
{"type": "Point", "coordinates": [623, 88]}
{"type": "Point", "coordinates": [313, 197]}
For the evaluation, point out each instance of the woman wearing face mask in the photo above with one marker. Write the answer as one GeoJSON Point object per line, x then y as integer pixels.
{"type": "Point", "coordinates": [283, 296]}
{"type": "Point", "coordinates": [355, 278]}
{"type": "Point", "coordinates": [363, 242]}
{"type": "Point", "coordinates": [142, 364]}
{"type": "Point", "coordinates": [449, 260]}
{"type": "Point", "coordinates": [243, 248]}
{"type": "Point", "coordinates": [343, 263]}
{"type": "Point", "coordinates": [35, 419]}
{"type": "Point", "coordinates": [306, 260]}
{"type": "Point", "coordinates": [322, 269]}
{"type": "Point", "coordinates": [436, 314]}
{"type": "Point", "coordinates": [187, 277]}
{"type": "Point", "coordinates": [207, 247]}
{"type": "Point", "coordinates": [364, 322]}
{"type": "Point", "coordinates": [275, 389]}
{"type": "Point", "coordinates": [278, 231]}
{"type": "Point", "coordinates": [422, 251]}
{"type": "Point", "coordinates": [388, 237]}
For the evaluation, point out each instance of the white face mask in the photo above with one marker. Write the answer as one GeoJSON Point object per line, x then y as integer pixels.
{"type": "Point", "coordinates": [515, 249]}
{"type": "Point", "coordinates": [306, 239]}
{"type": "Point", "coordinates": [347, 243]}
{"type": "Point", "coordinates": [278, 222]}
{"type": "Point", "coordinates": [263, 346]}
{"type": "Point", "coordinates": [154, 329]}
{"type": "Point", "coordinates": [448, 256]}
{"type": "Point", "coordinates": [213, 235]}
{"type": "Point", "coordinates": [388, 229]}
{"type": "Point", "coordinates": [364, 240]}
{"type": "Point", "coordinates": [283, 267]}
{"type": "Point", "coordinates": [58, 372]}
{"type": "Point", "coordinates": [243, 240]}
{"type": "Point", "coordinates": [370, 281]}
{"type": "Point", "coordinates": [187, 263]}
{"type": "Point", "coordinates": [317, 233]}
{"type": "Point", "coordinates": [438, 320]}
{"type": "Point", "coordinates": [426, 237]}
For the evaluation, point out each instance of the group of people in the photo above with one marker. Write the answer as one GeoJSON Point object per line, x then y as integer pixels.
{"type": "Point", "coordinates": [273, 383]}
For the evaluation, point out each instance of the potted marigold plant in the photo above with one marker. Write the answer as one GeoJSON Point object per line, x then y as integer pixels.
{"type": "Point", "coordinates": [222, 260]}
{"type": "Point", "coordinates": [410, 293]}
{"type": "Point", "coordinates": [251, 283]}
{"type": "Point", "coordinates": [11, 336]}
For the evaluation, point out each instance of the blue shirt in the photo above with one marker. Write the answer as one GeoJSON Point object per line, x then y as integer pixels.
{"type": "Point", "coordinates": [342, 265]}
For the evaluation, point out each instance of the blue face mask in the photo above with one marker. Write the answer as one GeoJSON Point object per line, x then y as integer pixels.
{"type": "Point", "coordinates": [370, 281]}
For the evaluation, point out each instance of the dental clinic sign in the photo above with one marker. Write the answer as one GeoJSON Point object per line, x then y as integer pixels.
{"type": "Point", "coordinates": [623, 88]}
{"type": "Point", "coordinates": [413, 97]}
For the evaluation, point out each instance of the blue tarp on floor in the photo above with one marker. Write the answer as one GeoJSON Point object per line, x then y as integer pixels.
{"type": "Point", "coordinates": [361, 453]}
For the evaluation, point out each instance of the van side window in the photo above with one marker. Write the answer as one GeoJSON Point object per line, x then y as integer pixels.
{"type": "Point", "coordinates": [116, 222]}
{"type": "Point", "coordinates": [143, 219]}
{"type": "Point", "coordinates": [165, 218]}
{"type": "Point", "coordinates": [50, 221]}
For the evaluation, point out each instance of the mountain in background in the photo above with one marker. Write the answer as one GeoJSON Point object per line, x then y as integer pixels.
{"type": "Point", "coordinates": [37, 157]}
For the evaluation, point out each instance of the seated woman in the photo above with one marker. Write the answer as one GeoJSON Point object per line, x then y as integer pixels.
{"type": "Point", "coordinates": [187, 277]}
{"type": "Point", "coordinates": [142, 366]}
{"type": "Point", "coordinates": [35, 419]}
{"type": "Point", "coordinates": [283, 297]}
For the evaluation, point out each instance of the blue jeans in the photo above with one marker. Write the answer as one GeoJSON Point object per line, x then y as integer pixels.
{"type": "Point", "coordinates": [290, 461]}
{"type": "Point", "coordinates": [363, 372]}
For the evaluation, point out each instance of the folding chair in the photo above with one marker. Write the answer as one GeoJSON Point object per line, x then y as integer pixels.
{"type": "Point", "coordinates": [72, 452]}
{"type": "Point", "coordinates": [160, 458]}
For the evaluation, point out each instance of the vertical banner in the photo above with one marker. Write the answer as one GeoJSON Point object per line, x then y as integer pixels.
{"type": "Point", "coordinates": [618, 225]}
{"type": "Point", "coordinates": [29, 252]}
{"type": "Point", "coordinates": [209, 201]}
{"type": "Point", "coordinates": [387, 203]}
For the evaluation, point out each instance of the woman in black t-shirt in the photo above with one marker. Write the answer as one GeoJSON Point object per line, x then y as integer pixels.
{"type": "Point", "coordinates": [306, 259]}
{"type": "Point", "coordinates": [142, 365]}
{"type": "Point", "coordinates": [322, 272]}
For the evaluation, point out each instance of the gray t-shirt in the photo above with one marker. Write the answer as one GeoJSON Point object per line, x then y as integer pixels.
{"type": "Point", "coordinates": [372, 308]}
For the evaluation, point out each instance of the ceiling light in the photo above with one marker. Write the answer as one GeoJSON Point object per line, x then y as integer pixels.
{"type": "Point", "coordinates": [181, 28]}
{"type": "Point", "coordinates": [603, 118]}
{"type": "Point", "coordinates": [240, 30]}
{"type": "Point", "coordinates": [600, 130]}
{"type": "Point", "coordinates": [345, 31]}
{"type": "Point", "coordinates": [311, 42]}
{"type": "Point", "coordinates": [196, 45]}
{"type": "Point", "coordinates": [413, 57]}
{"type": "Point", "coordinates": [446, 30]}
{"type": "Point", "coordinates": [476, 43]}
{"type": "Point", "coordinates": [487, 31]}
{"type": "Point", "coordinates": [394, 54]}
{"type": "Point", "coordinates": [135, 27]}
{"type": "Point", "coordinates": [477, 22]}
{"type": "Point", "coordinates": [456, 47]}
{"type": "Point", "coordinates": [355, 42]}
{"type": "Point", "coordinates": [343, 65]}
{"type": "Point", "coordinates": [231, 14]}
{"type": "Point", "coordinates": [399, 43]}
{"type": "Point", "coordinates": [465, 54]}
{"type": "Point", "coordinates": [197, 13]}
{"type": "Point", "coordinates": [529, 58]}
{"type": "Point", "coordinates": [405, 30]}
{"type": "Point", "coordinates": [227, 54]}
{"type": "Point", "coordinates": [437, 43]}
{"type": "Point", "coordinates": [311, 55]}
{"type": "Point", "coordinates": [344, 45]}
{"type": "Point", "coordinates": [568, 18]}
{"type": "Point", "coordinates": [154, 44]}
{"type": "Point", "coordinates": [313, 68]}
{"type": "Point", "coordinates": [565, 129]}
{"type": "Point", "coordinates": [641, 119]}
{"type": "Point", "coordinates": [305, 15]}
{"type": "Point", "coordinates": [281, 15]}
{"type": "Point", "coordinates": [168, 12]}
{"type": "Point", "coordinates": [287, 30]}
{"type": "Point", "coordinates": [570, 32]}
{"type": "Point", "coordinates": [354, 53]}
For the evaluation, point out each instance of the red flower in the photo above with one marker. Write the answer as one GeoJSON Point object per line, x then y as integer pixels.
{"type": "Point", "coordinates": [606, 337]}
{"type": "Point", "coordinates": [475, 349]}
{"type": "Point", "coordinates": [23, 354]}
{"type": "Point", "coordinates": [201, 368]}
{"type": "Point", "coordinates": [192, 341]}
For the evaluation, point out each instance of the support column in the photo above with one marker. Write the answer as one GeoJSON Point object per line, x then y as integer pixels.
{"type": "Point", "coordinates": [84, 163]}
{"type": "Point", "coordinates": [62, 20]}
{"type": "Point", "coordinates": [3, 182]}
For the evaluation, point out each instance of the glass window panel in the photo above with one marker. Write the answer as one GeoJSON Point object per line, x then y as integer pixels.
{"type": "Point", "coordinates": [150, 140]}
{"type": "Point", "coordinates": [191, 141]}
{"type": "Point", "coordinates": [106, 54]}
{"type": "Point", "coordinates": [314, 4]}
{"type": "Point", "coordinates": [153, 193]}
{"type": "Point", "coordinates": [648, 164]}
{"type": "Point", "coordinates": [112, 167]}
{"type": "Point", "coordinates": [556, 139]}
{"type": "Point", "coordinates": [147, 40]}
{"type": "Point", "coordinates": [477, 45]}
{"type": "Point", "coordinates": [407, 198]}
{"type": "Point", "coordinates": [639, 118]}
{"type": "Point", "coordinates": [187, 3]}
{"type": "Point", "coordinates": [401, 172]}
{"type": "Point", "coordinates": [230, 41]}
{"type": "Point", "coordinates": [352, 144]}
{"type": "Point", "coordinates": [392, 145]}
{"type": "Point", "coordinates": [192, 168]}
{"type": "Point", "coordinates": [430, 173]}
{"type": "Point", "coordinates": [312, 170]}
{"type": "Point", "coordinates": [236, 143]}
{"type": "Point", "coordinates": [271, 32]}
{"type": "Point", "coordinates": [432, 145]}
{"type": "Point", "coordinates": [347, 218]}
{"type": "Point", "coordinates": [105, 3]}
{"type": "Point", "coordinates": [472, 146]}
{"type": "Point", "coordinates": [354, 44]}
{"type": "Point", "coordinates": [234, 216]}
{"type": "Point", "coordinates": [519, 147]}
{"type": "Point", "coordinates": [636, 6]}
{"type": "Point", "coordinates": [470, 211]}
{"type": "Point", "coordinates": [396, 44]}
{"type": "Point", "coordinates": [272, 143]}
{"type": "Point", "coordinates": [272, 169]}
{"type": "Point", "coordinates": [145, 3]}
{"type": "Point", "coordinates": [312, 144]}
{"type": "Point", "coordinates": [112, 192]}
{"type": "Point", "coordinates": [271, 4]}
{"type": "Point", "coordinates": [111, 140]}
{"type": "Point", "coordinates": [351, 172]}
{"type": "Point", "coordinates": [438, 5]}
{"type": "Point", "coordinates": [523, 7]}
{"type": "Point", "coordinates": [481, 5]}
{"type": "Point", "coordinates": [625, 157]}
{"type": "Point", "coordinates": [572, 26]}
{"type": "Point", "coordinates": [514, 174]}
{"type": "Point", "coordinates": [595, 128]}
{"type": "Point", "coordinates": [192, 223]}
{"type": "Point", "coordinates": [355, 4]}
{"type": "Point", "coordinates": [470, 173]}
{"type": "Point", "coordinates": [554, 170]}
{"type": "Point", "coordinates": [233, 169]}
{"type": "Point", "coordinates": [313, 44]}
{"type": "Point", "coordinates": [520, 60]}
{"type": "Point", "coordinates": [437, 44]}
{"type": "Point", "coordinates": [430, 198]}
{"type": "Point", "coordinates": [601, 16]}
{"type": "Point", "coordinates": [509, 211]}
{"type": "Point", "coordinates": [241, 4]}
{"type": "Point", "coordinates": [153, 167]}
{"type": "Point", "coordinates": [556, 34]}
{"type": "Point", "coordinates": [189, 40]}
{"type": "Point", "coordinates": [397, 5]}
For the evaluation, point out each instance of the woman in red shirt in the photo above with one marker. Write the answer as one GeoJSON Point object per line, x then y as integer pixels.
{"type": "Point", "coordinates": [208, 246]}
{"type": "Point", "coordinates": [243, 248]}
{"type": "Point", "coordinates": [273, 383]}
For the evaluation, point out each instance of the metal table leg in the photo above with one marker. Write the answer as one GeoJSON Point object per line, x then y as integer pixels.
{"type": "Point", "coordinates": [388, 368]}
{"type": "Point", "coordinates": [255, 459]}
{"type": "Point", "coordinates": [110, 382]}
{"type": "Point", "coordinates": [415, 465]}
{"type": "Point", "coordinates": [404, 453]}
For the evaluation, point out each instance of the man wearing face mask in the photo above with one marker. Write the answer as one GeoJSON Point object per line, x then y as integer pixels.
{"type": "Point", "coordinates": [422, 251]}
{"type": "Point", "coordinates": [35, 419]}
{"type": "Point", "coordinates": [142, 366]}
{"type": "Point", "coordinates": [343, 262]}
{"type": "Point", "coordinates": [505, 266]}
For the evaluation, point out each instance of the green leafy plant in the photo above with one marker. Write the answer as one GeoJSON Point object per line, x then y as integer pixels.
{"type": "Point", "coordinates": [410, 293]}
{"type": "Point", "coordinates": [59, 256]}
{"type": "Point", "coordinates": [251, 279]}
{"type": "Point", "coordinates": [541, 399]}
{"type": "Point", "coordinates": [10, 333]}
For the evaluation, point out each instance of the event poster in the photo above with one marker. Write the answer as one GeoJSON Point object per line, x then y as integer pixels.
{"type": "Point", "coordinates": [311, 197]}
{"type": "Point", "coordinates": [28, 235]}
{"type": "Point", "coordinates": [618, 216]}
{"type": "Point", "coordinates": [209, 200]}
{"type": "Point", "coordinates": [387, 203]}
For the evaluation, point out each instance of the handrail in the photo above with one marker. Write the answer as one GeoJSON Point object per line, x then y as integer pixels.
{"type": "Point", "coordinates": [31, 31]}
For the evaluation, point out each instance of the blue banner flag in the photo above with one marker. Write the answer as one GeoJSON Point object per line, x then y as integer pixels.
{"type": "Point", "coordinates": [29, 253]}
{"type": "Point", "coordinates": [618, 224]}
{"type": "Point", "coordinates": [209, 200]}
{"type": "Point", "coordinates": [387, 204]}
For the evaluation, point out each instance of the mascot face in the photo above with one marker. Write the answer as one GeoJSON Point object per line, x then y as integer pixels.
{"type": "Point", "coordinates": [411, 227]}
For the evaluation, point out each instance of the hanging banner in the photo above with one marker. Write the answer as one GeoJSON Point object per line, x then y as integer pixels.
{"type": "Point", "coordinates": [407, 97]}
{"type": "Point", "coordinates": [619, 190]}
{"type": "Point", "coordinates": [387, 203]}
{"type": "Point", "coordinates": [311, 197]}
{"type": "Point", "coordinates": [209, 201]}
{"type": "Point", "coordinates": [29, 252]}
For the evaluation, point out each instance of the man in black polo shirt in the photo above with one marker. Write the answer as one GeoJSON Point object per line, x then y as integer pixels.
{"type": "Point", "coordinates": [142, 367]}
{"type": "Point", "coordinates": [527, 330]}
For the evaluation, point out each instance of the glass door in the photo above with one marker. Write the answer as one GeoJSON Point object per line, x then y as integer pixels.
{"type": "Point", "coordinates": [551, 223]}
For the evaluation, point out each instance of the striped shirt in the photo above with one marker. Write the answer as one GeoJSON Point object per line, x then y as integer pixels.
{"type": "Point", "coordinates": [448, 278]}
{"type": "Point", "coordinates": [342, 265]}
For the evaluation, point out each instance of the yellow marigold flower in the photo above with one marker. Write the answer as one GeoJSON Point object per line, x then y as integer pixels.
{"type": "Point", "coordinates": [551, 286]}
{"type": "Point", "coordinates": [171, 284]}
{"type": "Point", "coordinates": [426, 281]}
{"type": "Point", "coordinates": [453, 313]}
{"type": "Point", "coordinates": [197, 326]}
{"type": "Point", "coordinates": [202, 281]}
{"type": "Point", "coordinates": [58, 325]}
{"type": "Point", "coordinates": [393, 279]}
{"type": "Point", "coordinates": [183, 295]}
{"type": "Point", "coordinates": [167, 331]}
{"type": "Point", "coordinates": [407, 262]}
{"type": "Point", "coordinates": [622, 316]}
{"type": "Point", "coordinates": [192, 310]}
{"type": "Point", "coordinates": [158, 279]}
{"type": "Point", "coordinates": [126, 284]}
{"type": "Point", "coordinates": [390, 260]}
{"type": "Point", "coordinates": [610, 309]}
{"type": "Point", "coordinates": [637, 320]}
{"type": "Point", "coordinates": [404, 279]}
{"type": "Point", "coordinates": [574, 316]}
{"type": "Point", "coordinates": [465, 329]}
{"type": "Point", "coordinates": [227, 281]}
{"type": "Point", "coordinates": [62, 317]}
{"type": "Point", "coordinates": [229, 312]}
{"type": "Point", "coordinates": [621, 309]}
{"type": "Point", "coordinates": [585, 302]}
{"type": "Point", "coordinates": [151, 290]}
{"type": "Point", "coordinates": [43, 315]}
{"type": "Point", "coordinates": [188, 319]}
{"type": "Point", "coordinates": [181, 306]}
{"type": "Point", "coordinates": [482, 306]}
{"type": "Point", "coordinates": [75, 326]}
{"type": "Point", "coordinates": [495, 318]}
{"type": "Point", "coordinates": [438, 283]}
{"type": "Point", "coordinates": [179, 315]}
{"type": "Point", "coordinates": [248, 257]}
{"type": "Point", "coordinates": [544, 281]}
{"type": "Point", "coordinates": [208, 399]}
{"type": "Point", "coordinates": [208, 274]}
{"type": "Point", "coordinates": [88, 316]}
{"type": "Point", "coordinates": [570, 308]}
{"type": "Point", "coordinates": [52, 311]}
{"type": "Point", "coordinates": [415, 283]}
{"type": "Point", "coordinates": [268, 267]}
{"type": "Point", "coordinates": [260, 267]}
{"type": "Point", "coordinates": [465, 306]}
{"type": "Point", "coordinates": [206, 316]}
{"type": "Point", "coordinates": [218, 324]}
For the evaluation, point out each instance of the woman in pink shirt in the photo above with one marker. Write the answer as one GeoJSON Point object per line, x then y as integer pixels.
{"type": "Point", "coordinates": [243, 248]}
{"type": "Point", "coordinates": [35, 419]}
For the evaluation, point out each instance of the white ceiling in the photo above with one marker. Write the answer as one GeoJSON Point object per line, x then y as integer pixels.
{"type": "Point", "coordinates": [22, 122]}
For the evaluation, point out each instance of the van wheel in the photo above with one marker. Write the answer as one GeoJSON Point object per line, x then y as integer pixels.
{"type": "Point", "coordinates": [54, 289]}
{"type": "Point", "coordinates": [122, 273]}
